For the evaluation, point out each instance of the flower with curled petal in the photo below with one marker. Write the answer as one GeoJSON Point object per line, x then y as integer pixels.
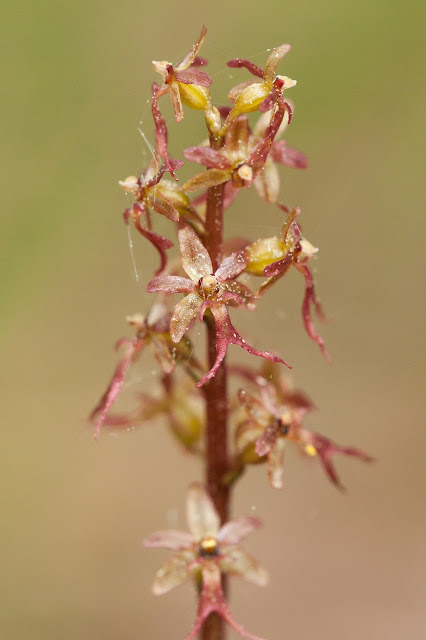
{"type": "Point", "coordinates": [184, 81]}
{"type": "Point", "coordinates": [242, 157]}
{"type": "Point", "coordinates": [273, 257]}
{"type": "Point", "coordinates": [205, 553]}
{"type": "Point", "coordinates": [151, 329]}
{"type": "Point", "coordinates": [261, 93]}
{"type": "Point", "coordinates": [275, 416]}
{"type": "Point", "coordinates": [208, 290]}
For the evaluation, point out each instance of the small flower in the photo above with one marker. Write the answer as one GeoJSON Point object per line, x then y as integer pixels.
{"type": "Point", "coordinates": [151, 329]}
{"type": "Point", "coordinates": [205, 553]}
{"type": "Point", "coordinates": [273, 257]}
{"type": "Point", "coordinates": [208, 290]}
{"type": "Point", "coordinates": [176, 400]}
{"type": "Point", "coordinates": [243, 155]}
{"type": "Point", "coordinates": [185, 82]}
{"type": "Point", "coordinates": [263, 92]}
{"type": "Point", "coordinates": [276, 416]}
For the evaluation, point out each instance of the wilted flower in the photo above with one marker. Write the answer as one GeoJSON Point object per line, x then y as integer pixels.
{"type": "Point", "coordinates": [276, 415]}
{"type": "Point", "coordinates": [207, 290]}
{"type": "Point", "coordinates": [177, 401]}
{"type": "Point", "coordinates": [185, 82]}
{"type": "Point", "coordinates": [151, 329]}
{"type": "Point", "coordinates": [205, 553]}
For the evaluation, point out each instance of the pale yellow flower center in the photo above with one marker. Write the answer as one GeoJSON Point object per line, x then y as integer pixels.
{"type": "Point", "coordinates": [208, 287]}
{"type": "Point", "coordinates": [208, 546]}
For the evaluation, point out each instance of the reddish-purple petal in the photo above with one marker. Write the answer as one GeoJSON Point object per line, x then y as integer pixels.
{"type": "Point", "coordinates": [132, 347]}
{"type": "Point", "coordinates": [210, 158]}
{"type": "Point", "coordinates": [170, 284]}
{"type": "Point", "coordinates": [227, 334]}
{"type": "Point", "coordinates": [240, 63]}
{"type": "Point", "coordinates": [325, 449]}
{"type": "Point", "coordinates": [160, 130]}
{"type": "Point", "coordinates": [193, 76]}
{"type": "Point", "coordinates": [162, 205]}
{"type": "Point", "coordinates": [159, 242]}
{"type": "Point", "coordinates": [279, 267]}
{"type": "Point", "coordinates": [232, 266]}
{"type": "Point", "coordinates": [310, 299]}
{"type": "Point", "coordinates": [287, 156]}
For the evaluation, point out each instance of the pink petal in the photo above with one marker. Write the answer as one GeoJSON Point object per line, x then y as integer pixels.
{"type": "Point", "coordinates": [170, 284]}
{"type": "Point", "coordinates": [236, 530]}
{"type": "Point", "coordinates": [267, 440]}
{"type": "Point", "coordinates": [193, 76]}
{"type": "Point", "coordinates": [192, 54]}
{"type": "Point", "coordinates": [99, 413]}
{"type": "Point", "coordinates": [202, 517]}
{"type": "Point", "coordinates": [173, 573]}
{"type": "Point", "coordinates": [238, 562]}
{"type": "Point", "coordinates": [309, 300]}
{"type": "Point", "coordinates": [184, 316]}
{"type": "Point", "coordinates": [160, 130]}
{"type": "Point", "coordinates": [227, 334]}
{"type": "Point", "coordinates": [195, 258]}
{"type": "Point", "coordinates": [287, 156]}
{"type": "Point", "coordinates": [240, 63]}
{"type": "Point", "coordinates": [259, 154]}
{"type": "Point", "coordinates": [210, 158]}
{"type": "Point", "coordinates": [174, 540]}
{"type": "Point", "coordinates": [276, 463]}
{"type": "Point", "coordinates": [232, 266]}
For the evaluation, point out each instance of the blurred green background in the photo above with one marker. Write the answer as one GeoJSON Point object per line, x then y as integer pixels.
{"type": "Point", "coordinates": [76, 84]}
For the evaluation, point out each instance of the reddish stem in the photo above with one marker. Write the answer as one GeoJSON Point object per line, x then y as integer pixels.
{"type": "Point", "coordinates": [216, 399]}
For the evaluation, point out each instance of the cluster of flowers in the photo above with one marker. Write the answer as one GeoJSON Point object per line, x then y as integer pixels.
{"type": "Point", "coordinates": [269, 413]}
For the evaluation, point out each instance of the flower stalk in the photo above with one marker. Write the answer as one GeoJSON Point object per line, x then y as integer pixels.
{"type": "Point", "coordinates": [228, 430]}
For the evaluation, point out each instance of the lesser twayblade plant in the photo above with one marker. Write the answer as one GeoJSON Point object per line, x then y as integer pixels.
{"type": "Point", "coordinates": [228, 433]}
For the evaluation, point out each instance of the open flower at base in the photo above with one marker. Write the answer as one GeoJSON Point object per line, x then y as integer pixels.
{"type": "Point", "coordinates": [208, 550]}
{"type": "Point", "coordinates": [208, 290]}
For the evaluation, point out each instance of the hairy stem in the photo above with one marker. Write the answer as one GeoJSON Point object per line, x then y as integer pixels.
{"type": "Point", "coordinates": [216, 399]}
